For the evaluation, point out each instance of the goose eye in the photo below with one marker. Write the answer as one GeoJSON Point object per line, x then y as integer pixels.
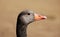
{"type": "Point", "coordinates": [28, 13]}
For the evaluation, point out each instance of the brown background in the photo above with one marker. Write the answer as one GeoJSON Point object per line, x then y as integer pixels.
{"type": "Point", "coordinates": [9, 10]}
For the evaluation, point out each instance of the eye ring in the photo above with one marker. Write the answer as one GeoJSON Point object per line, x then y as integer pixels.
{"type": "Point", "coordinates": [28, 13]}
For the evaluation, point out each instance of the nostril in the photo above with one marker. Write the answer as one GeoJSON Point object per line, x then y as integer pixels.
{"type": "Point", "coordinates": [39, 16]}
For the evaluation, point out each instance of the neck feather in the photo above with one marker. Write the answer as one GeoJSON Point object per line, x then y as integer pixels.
{"type": "Point", "coordinates": [21, 29]}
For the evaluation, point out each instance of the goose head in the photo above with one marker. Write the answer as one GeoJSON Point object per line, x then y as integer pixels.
{"type": "Point", "coordinates": [28, 16]}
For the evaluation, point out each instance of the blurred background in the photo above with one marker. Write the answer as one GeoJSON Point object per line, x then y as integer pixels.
{"type": "Point", "coordinates": [9, 10]}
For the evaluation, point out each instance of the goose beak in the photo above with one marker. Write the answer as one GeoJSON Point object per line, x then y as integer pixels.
{"type": "Point", "coordinates": [39, 17]}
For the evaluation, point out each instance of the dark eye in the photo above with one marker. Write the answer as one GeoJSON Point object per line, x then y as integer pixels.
{"type": "Point", "coordinates": [28, 13]}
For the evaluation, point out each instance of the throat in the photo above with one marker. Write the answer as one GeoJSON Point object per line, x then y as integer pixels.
{"type": "Point", "coordinates": [21, 30]}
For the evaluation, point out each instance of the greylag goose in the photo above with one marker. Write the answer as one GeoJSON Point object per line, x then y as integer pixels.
{"type": "Point", "coordinates": [24, 18]}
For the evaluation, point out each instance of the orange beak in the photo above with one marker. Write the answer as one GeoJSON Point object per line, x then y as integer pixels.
{"type": "Point", "coordinates": [39, 17]}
